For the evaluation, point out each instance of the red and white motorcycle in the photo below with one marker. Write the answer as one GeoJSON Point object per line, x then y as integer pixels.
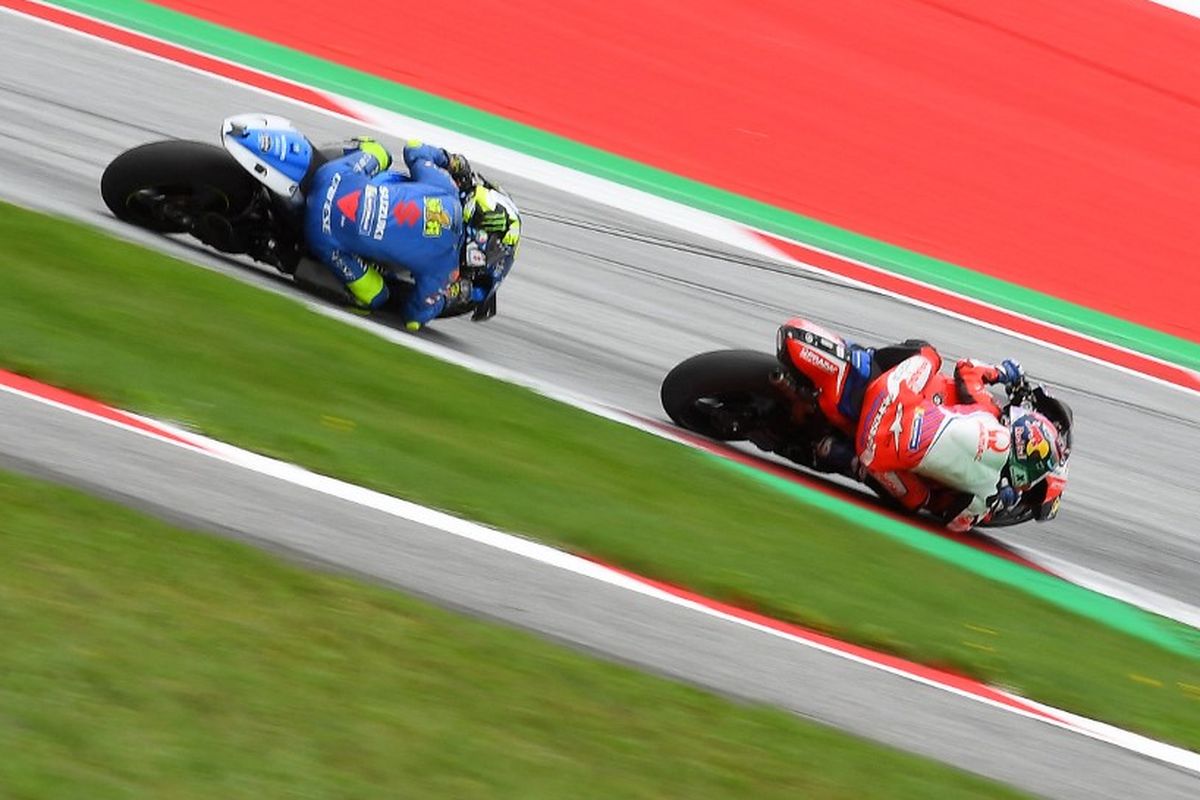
{"type": "Point", "coordinates": [811, 388]}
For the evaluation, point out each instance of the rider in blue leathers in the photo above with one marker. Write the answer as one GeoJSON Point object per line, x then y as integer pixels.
{"type": "Point", "coordinates": [361, 217]}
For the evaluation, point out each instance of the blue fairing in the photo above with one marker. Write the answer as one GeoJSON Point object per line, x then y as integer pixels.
{"type": "Point", "coordinates": [283, 149]}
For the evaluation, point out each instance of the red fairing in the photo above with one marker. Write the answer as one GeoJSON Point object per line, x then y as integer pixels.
{"type": "Point", "coordinates": [821, 356]}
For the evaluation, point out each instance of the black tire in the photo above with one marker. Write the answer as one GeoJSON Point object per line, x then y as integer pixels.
{"type": "Point", "coordinates": [734, 379]}
{"type": "Point", "coordinates": [1007, 518]}
{"type": "Point", "coordinates": [457, 311]}
{"type": "Point", "coordinates": [195, 176]}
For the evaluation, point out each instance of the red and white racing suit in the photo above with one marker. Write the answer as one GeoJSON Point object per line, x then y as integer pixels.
{"type": "Point", "coordinates": [912, 443]}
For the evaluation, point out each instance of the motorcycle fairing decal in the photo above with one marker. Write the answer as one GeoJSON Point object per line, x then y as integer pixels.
{"type": "Point", "coordinates": [819, 361]}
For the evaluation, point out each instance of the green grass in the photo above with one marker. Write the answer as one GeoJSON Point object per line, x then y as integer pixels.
{"type": "Point", "coordinates": [144, 661]}
{"type": "Point", "coordinates": [147, 333]}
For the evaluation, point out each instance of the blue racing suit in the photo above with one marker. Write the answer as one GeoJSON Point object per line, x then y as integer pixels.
{"type": "Point", "coordinates": [362, 216]}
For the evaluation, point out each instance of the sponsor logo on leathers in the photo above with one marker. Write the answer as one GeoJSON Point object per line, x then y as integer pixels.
{"type": "Point", "coordinates": [382, 216]}
{"type": "Point", "coordinates": [366, 213]}
{"type": "Point", "coordinates": [407, 213]}
{"type": "Point", "coordinates": [327, 207]}
{"type": "Point", "coordinates": [436, 218]}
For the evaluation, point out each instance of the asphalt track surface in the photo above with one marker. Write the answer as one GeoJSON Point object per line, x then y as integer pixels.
{"type": "Point", "coordinates": [603, 304]}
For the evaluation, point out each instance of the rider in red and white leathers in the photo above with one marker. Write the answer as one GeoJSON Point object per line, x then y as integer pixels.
{"type": "Point", "coordinates": [933, 442]}
{"type": "Point", "coordinates": [912, 445]}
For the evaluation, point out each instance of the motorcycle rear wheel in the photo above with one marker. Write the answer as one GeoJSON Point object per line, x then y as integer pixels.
{"type": "Point", "coordinates": [158, 186]}
{"type": "Point", "coordinates": [724, 394]}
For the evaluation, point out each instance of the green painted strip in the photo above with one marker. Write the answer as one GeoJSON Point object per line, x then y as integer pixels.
{"type": "Point", "coordinates": [1172, 636]}
{"type": "Point", "coordinates": [300, 67]}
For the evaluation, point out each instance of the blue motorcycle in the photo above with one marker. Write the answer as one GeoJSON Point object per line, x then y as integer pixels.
{"type": "Point", "coordinates": [247, 197]}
